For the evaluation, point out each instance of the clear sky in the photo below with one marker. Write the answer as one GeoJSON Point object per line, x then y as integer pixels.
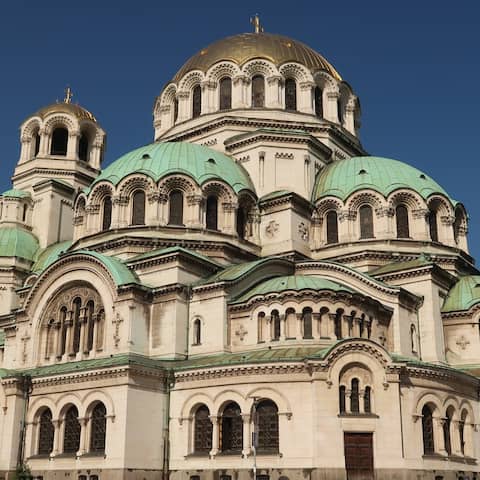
{"type": "Point", "coordinates": [413, 64]}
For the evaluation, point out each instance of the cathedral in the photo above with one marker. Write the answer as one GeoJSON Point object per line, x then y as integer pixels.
{"type": "Point", "coordinates": [250, 296]}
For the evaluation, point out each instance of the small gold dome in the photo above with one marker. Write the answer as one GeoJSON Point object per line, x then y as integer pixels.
{"type": "Point", "coordinates": [63, 107]}
{"type": "Point", "coordinates": [248, 46]}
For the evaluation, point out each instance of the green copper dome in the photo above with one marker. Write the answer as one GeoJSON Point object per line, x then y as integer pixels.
{"type": "Point", "coordinates": [464, 295]}
{"type": "Point", "coordinates": [17, 242]}
{"type": "Point", "coordinates": [160, 159]}
{"type": "Point", "coordinates": [384, 175]}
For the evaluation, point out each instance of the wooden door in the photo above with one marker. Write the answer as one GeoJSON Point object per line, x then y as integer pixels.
{"type": "Point", "coordinates": [358, 456]}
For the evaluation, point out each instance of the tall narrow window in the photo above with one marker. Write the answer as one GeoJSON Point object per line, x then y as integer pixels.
{"type": "Point", "coordinates": [355, 397]}
{"type": "Point", "coordinates": [83, 147]}
{"type": "Point", "coordinates": [203, 430]}
{"type": "Point", "coordinates": [175, 208]}
{"type": "Point", "coordinates": [24, 212]}
{"type": "Point", "coordinates": [366, 221]}
{"type": "Point", "coordinates": [307, 323]}
{"type": "Point", "coordinates": [461, 431]}
{"type": "Point", "coordinates": [99, 428]}
{"type": "Point", "coordinates": [77, 303]}
{"type": "Point", "coordinates": [197, 332]}
{"type": "Point", "coordinates": [340, 112]}
{"type": "Point", "coordinates": [36, 140]}
{"type": "Point", "coordinates": [138, 208]}
{"type": "Point", "coordinates": [427, 430]}
{"type": "Point", "coordinates": [90, 325]}
{"type": "Point", "coordinates": [241, 222]}
{"type": "Point", "coordinates": [332, 227]}
{"type": "Point", "coordinates": [225, 93]}
{"type": "Point", "coordinates": [212, 213]}
{"type": "Point", "coordinates": [338, 324]}
{"type": "Point", "coordinates": [318, 102]}
{"type": "Point", "coordinates": [107, 213]}
{"type": "Point", "coordinates": [401, 217]}
{"type": "Point", "coordinates": [46, 433]}
{"type": "Point", "coordinates": [367, 400]}
{"type": "Point", "coordinates": [433, 226]}
{"type": "Point", "coordinates": [267, 422]}
{"type": "Point", "coordinates": [63, 327]}
{"type": "Point", "coordinates": [59, 141]}
{"type": "Point", "coordinates": [197, 101]}
{"type": "Point", "coordinates": [231, 429]}
{"type": "Point", "coordinates": [276, 324]}
{"type": "Point", "coordinates": [71, 436]}
{"type": "Point", "coordinates": [290, 94]}
{"type": "Point", "coordinates": [258, 91]}
{"type": "Point", "coordinates": [175, 110]}
{"type": "Point", "coordinates": [341, 399]}
{"type": "Point", "coordinates": [447, 423]}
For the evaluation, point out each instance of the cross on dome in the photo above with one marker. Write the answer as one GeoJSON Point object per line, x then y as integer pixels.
{"type": "Point", "coordinates": [255, 21]}
{"type": "Point", "coordinates": [68, 95]}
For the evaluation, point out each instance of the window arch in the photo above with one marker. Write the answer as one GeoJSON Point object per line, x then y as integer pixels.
{"type": "Point", "coordinates": [318, 101]}
{"type": "Point", "coordinates": [46, 433]}
{"type": "Point", "coordinates": [212, 212]}
{"type": "Point", "coordinates": [225, 93]}
{"type": "Point", "coordinates": [98, 430]}
{"type": "Point", "coordinates": [401, 217]}
{"type": "Point", "coordinates": [107, 213]}
{"type": "Point", "coordinates": [290, 94]}
{"type": "Point", "coordinates": [231, 429]}
{"type": "Point", "coordinates": [307, 323]}
{"type": "Point", "coordinates": [332, 227]}
{"type": "Point", "coordinates": [203, 430]}
{"type": "Point", "coordinates": [196, 101]}
{"type": "Point", "coordinates": [175, 208]}
{"type": "Point", "coordinates": [433, 225]}
{"type": "Point", "coordinates": [366, 221]}
{"type": "Point", "coordinates": [138, 208]}
{"type": "Point", "coordinates": [427, 430]}
{"type": "Point", "coordinates": [276, 325]}
{"type": "Point", "coordinates": [355, 396]}
{"type": "Point", "coordinates": [59, 141]}
{"type": "Point", "coordinates": [197, 332]}
{"type": "Point", "coordinates": [258, 91]}
{"type": "Point", "coordinates": [267, 422]}
{"type": "Point", "coordinates": [71, 435]}
{"type": "Point", "coordinates": [83, 147]}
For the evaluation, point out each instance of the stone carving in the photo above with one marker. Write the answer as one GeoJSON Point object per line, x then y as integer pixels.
{"type": "Point", "coordinates": [241, 332]}
{"type": "Point", "coordinates": [303, 231]}
{"type": "Point", "coordinates": [272, 228]}
{"type": "Point", "coordinates": [462, 342]}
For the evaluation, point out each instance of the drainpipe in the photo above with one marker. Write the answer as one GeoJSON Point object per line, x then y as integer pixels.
{"type": "Point", "coordinates": [27, 388]}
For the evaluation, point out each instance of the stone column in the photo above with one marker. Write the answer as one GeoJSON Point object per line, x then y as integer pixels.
{"type": "Point", "coordinates": [83, 436]}
{"type": "Point", "coordinates": [209, 102]}
{"type": "Point", "coordinates": [419, 228]}
{"type": "Point", "coordinates": [194, 214]}
{"type": "Point", "coordinates": [446, 230]}
{"type": "Point", "coordinates": [58, 339]}
{"type": "Point", "coordinates": [438, 439]}
{"type": "Point", "coordinates": [331, 111]}
{"type": "Point", "coordinates": [239, 91]}
{"type": "Point", "coordinates": [331, 326]}
{"type": "Point", "coordinates": [162, 209]}
{"type": "Point", "coordinates": [349, 121]}
{"type": "Point", "coordinates": [44, 142]}
{"type": "Point", "coordinates": [96, 154]}
{"type": "Point", "coordinates": [215, 435]}
{"type": "Point", "coordinates": [72, 145]}
{"type": "Point", "coordinates": [184, 110]}
{"type": "Point", "coordinates": [25, 149]}
{"type": "Point", "coordinates": [246, 434]}
{"type": "Point", "coordinates": [151, 213]}
{"type": "Point", "coordinates": [346, 226]}
{"type": "Point", "coordinates": [305, 101]}
{"type": "Point", "coordinates": [455, 438]}
{"type": "Point", "coordinates": [56, 437]}
{"type": "Point", "coordinates": [346, 326]}
{"type": "Point", "coordinates": [384, 223]}
{"type": "Point", "coordinates": [83, 331]}
{"type": "Point", "coordinates": [229, 209]}
{"type": "Point", "coordinates": [283, 321]}
{"type": "Point", "coordinates": [273, 91]}
{"type": "Point", "coordinates": [69, 339]}
{"type": "Point", "coordinates": [316, 325]}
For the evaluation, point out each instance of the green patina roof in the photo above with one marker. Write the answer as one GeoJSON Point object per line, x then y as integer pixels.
{"type": "Point", "coordinates": [293, 282]}
{"type": "Point", "coordinates": [464, 295]}
{"type": "Point", "coordinates": [45, 257]}
{"type": "Point", "coordinates": [169, 250]}
{"type": "Point", "coordinates": [275, 194]}
{"type": "Point", "coordinates": [162, 159]}
{"type": "Point", "coordinates": [421, 261]}
{"type": "Point", "coordinates": [2, 337]}
{"type": "Point", "coordinates": [384, 175]}
{"type": "Point", "coordinates": [17, 242]}
{"type": "Point", "coordinates": [15, 193]}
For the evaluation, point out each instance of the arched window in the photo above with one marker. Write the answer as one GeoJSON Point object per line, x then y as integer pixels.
{"type": "Point", "coordinates": [276, 324]}
{"type": "Point", "coordinates": [197, 101]}
{"type": "Point", "coordinates": [175, 208]}
{"type": "Point", "coordinates": [175, 110]}
{"type": "Point", "coordinates": [341, 399]}
{"type": "Point", "coordinates": [267, 423]}
{"type": "Point", "coordinates": [340, 112]}
{"type": "Point", "coordinates": [290, 94]}
{"type": "Point", "coordinates": [332, 227]}
{"type": "Point", "coordinates": [367, 400]}
{"type": "Point", "coordinates": [241, 222]}
{"type": "Point", "coordinates": [447, 423]}
{"type": "Point", "coordinates": [338, 324]}
{"type": "Point", "coordinates": [231, 429]}
{"type": "Point", "coordinates": [83, 147]}
{"type": "Point", "coordinates": [427, 430]}
{"type": "Point", "coordinates": [401, 217]}
{"type": "Point", "coordinates": [212, 212]}
{"type": "Point", "coordinates": [46, 433]}
{"type": "Point", "coordinates": [63, 326]}
{"type": "Point", "coordinates": [71, 435]}
{"type": "Point", "coordinates": [225, 93]}
{"type": "Point", "coordinates": [138, 208]}
{"type": "Point", "coordinates": [355, 397]}
{"type": "Point", "coordinates": [99, 428]}
{"type": "Point", "coordinates": [433, 226]}
{"type": "Point", "coordinates": [90, 325]}
{"type": "Point", "coordinates": [77, 304]}
{"type": "Point", "coordinates": [366, 221]}
{"type": "Point", "coordinates": [107, 213]}
{"type": "Point", "coordinates": [59, 141]}
{"type": "Point", "coordinates": [24, 212]}
{"type": "Point", "coordinates": [318, 101]}
{"type": "Point", "coordinates": [203, 430]}
{"type": "Point", "coordinates": [36, 143]}
{"type": "Point", "coordinates": [258, 91]}
{"type": "Point", "coordinates": [461, 431]}
{"type": "Point", "coordinates": [197, 332]}
{"type": "Point", "coordinates": [307, 323]}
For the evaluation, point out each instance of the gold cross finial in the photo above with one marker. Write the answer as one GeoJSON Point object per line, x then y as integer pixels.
{"type": "Point", "coordinates": [255, 21]}
{"type": "Point", "coordinates": [68, 95]}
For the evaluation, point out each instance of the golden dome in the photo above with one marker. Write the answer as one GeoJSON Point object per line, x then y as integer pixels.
{"type": "Point", "coordinates": [247, 46]}
{"type": "Point", "coordinates": [63, 107]}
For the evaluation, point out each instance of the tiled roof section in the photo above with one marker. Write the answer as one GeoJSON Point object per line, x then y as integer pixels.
{"type": "Point", "coordinates": [421, 261]}
{"type": "Point", "coordinates": [18, 242]}
{"type": "Point", "coordinates": [169, 251]}
{"type": "Point", "coordinates": [295, 283]}
{"type": "Point", "coordinates": [45, 257]}
{"type": "Point", "coordinates": [158, 160]}
{"type": "Point", "coordinates": [464, 294]}
{"type": "Point", "coordinates": [384, 175]}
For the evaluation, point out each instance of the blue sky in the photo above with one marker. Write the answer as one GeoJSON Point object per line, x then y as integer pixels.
{"type": "Point", "coordinates": [413, 64]}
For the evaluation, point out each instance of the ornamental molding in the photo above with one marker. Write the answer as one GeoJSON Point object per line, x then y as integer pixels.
{"type": "Point", "coordinates": [284, 155]}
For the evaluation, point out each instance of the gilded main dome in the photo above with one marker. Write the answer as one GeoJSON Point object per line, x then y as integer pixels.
{"type": "Point", "coordinates": [248, 46]}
